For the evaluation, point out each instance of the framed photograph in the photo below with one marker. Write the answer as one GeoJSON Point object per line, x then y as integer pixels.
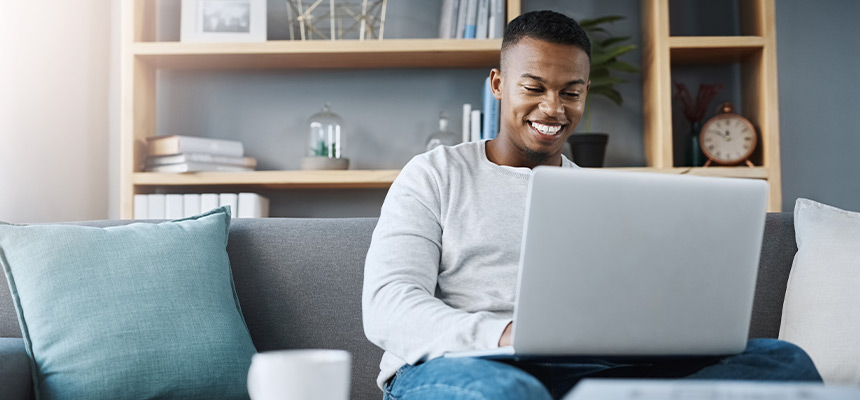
{"type": "Point", "coordinates": [223, 21]}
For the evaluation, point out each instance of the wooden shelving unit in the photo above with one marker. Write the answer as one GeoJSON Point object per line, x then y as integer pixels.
{"type": "Point", "coordinates": [142, 57]}
{"type": "Point", "coordinates": [349, 179]}
{"type": "Point", "coordinates": [288, 54]}
{"type": "Point", "coordinates": [756, 53]}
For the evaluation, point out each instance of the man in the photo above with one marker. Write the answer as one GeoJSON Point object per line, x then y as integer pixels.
{"type": "Point", "coordinates": [441, 271]}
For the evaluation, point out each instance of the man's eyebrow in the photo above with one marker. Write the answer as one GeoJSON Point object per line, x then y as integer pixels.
{"type": "Point", "coordinates": [533, 77]}
{"type": "Point", "coordinates": [542, 80]}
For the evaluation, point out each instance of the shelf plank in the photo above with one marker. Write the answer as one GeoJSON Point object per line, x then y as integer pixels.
{"type": "Point", "coordinates": [725, 172]}
{"type": "Point", "coordinates": [352, 54]}
{"type": "Point", "coordinates": [344, 179]}
{"type": "Point", "coordinates": [367, 179]}
{"type": "Point", "coordinates": [712, 49]}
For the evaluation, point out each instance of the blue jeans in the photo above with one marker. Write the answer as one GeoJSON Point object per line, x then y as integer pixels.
{"type": "Point", "coordinates": [479, 379]}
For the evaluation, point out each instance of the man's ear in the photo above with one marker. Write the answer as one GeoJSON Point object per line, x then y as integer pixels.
{"type": "Point", "coordinates": [496, 83]}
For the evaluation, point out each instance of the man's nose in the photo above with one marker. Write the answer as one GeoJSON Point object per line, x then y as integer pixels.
{"type": "Point", "coordinates": [552, 105]}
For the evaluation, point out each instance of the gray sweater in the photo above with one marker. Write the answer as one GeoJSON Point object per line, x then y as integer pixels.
{"type": "Point", "coordinates": [441, 270]}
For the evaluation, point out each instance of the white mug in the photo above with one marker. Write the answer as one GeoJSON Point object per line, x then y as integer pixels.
{"type": "Point", "coordinates": [300, 375]}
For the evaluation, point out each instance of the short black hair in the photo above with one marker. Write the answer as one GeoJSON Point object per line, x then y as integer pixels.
{"type": "Point", "coordinates": [548, 26]}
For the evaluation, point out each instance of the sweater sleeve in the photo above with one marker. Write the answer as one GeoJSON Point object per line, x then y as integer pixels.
{"type": "Point", "coordinates": [400, 312]}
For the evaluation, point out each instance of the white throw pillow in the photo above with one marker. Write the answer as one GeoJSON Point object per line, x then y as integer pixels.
{"type": "Point", "coordinates": [821, 313]}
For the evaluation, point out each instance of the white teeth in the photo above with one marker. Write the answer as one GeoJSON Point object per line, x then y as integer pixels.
{"type": "Point", "coordinates": [546, 129]}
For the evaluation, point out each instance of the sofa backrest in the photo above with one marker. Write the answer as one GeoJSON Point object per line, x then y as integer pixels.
{"type": "Point", "coordinates": [299, 284]}
{"type": "Point", "coordinates": [777, 255]}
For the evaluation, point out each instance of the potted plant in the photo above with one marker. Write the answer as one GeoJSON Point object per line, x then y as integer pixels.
{"type": "Point", "coordinates": [588, 149]}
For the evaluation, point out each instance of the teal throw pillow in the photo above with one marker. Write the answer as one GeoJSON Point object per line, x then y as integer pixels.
{"type": "Point", "coordinates": [129, 312]}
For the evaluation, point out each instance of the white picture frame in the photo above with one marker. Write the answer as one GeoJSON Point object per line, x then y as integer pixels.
{"type": "Point", "coordinates": [223, 21]}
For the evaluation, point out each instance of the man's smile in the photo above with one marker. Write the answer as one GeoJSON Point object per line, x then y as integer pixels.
{"type": "Point", "coordinates": [547, 129]}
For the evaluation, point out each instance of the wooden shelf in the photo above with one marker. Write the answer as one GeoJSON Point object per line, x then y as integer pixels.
{"type": "Point", "coordinates": [366, 179]}
{"type": "Point", "coordinates": [142, 58]}
{"type": "Point", "coordinates": [345, 179]}
{"type": "Point", "coordinates": [712, 49]}
{"type": "Point", "coordinates": [724, 172]}
{"type": "Point", "coordinates": [756, 53]}
{"type": "Point", "coordinates": [352, 54]}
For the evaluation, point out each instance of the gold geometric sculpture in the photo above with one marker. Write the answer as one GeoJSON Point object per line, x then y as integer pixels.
{"type": "Point", "coordinates": [342, 19]}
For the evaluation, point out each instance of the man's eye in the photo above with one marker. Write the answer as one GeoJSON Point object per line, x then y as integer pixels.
{"type": "Point", "coordinates": [533, 90]}
{"type": "Point", "coordinates": [570, 94]}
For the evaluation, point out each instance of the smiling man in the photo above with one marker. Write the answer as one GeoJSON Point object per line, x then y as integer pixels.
{"type": "Point", "coordinates": [542, 85]}
{"type": "Point", "coordinates": [441, 271]}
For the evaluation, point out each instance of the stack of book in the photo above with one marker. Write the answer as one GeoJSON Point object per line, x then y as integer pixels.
{"type": "Point", "coordinates": [472, 19]}
{"type": "Point", "coordinates": [190, 154]}
{"type": "Point", "coordinates": [481, 123]}
{"type": "Point", "coordinates": [174, 206]}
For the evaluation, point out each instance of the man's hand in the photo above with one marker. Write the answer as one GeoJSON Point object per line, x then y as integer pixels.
{"type": "Point", "coordinates": [505, 340]}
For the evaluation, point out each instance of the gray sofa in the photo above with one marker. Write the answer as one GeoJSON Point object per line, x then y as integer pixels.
{"type": "Point", "coordinates": [299, 283]}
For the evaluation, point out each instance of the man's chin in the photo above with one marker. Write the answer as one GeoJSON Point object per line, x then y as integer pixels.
{"type": "Point", "coordinates": [537, 156]}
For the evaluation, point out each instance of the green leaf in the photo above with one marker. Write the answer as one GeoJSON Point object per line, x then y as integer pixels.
{"type": "Point", "coordinates": [607, 81]}
{"type": "Point", "coordinates": [613, 40]}
{"type": "Point", "coordinates": [611, 53]}
{"type": "Point", "coordinates": [609, 93]}
{"type": "Point", "coordinates": [590, 33]}
{"type": "Point", "coordinates": [599, 72]}
{"type": "Point", "coordinates": [592, 22]}
{"type": "Point", "coordinates": [622, 66]}
{"type": "Point", "coordinates": [605, 49]}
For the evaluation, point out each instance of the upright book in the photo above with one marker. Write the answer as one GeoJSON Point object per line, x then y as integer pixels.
{"type": "Point", "coordinates": [191, 204]}
{"type": "Point", "coordinates": [209, 201]}
{"type": "Point", "coordinates": [471, 27]}
{"type": "Point", "coordinates": [252, 205]}
{"type": "Point", "coordinates": [448, 20]}
{"type": "Point", "coordinates": [496, 25]}
{"type": "Point", "coordinates": [475, 129]}
{"type": "Point", "coordinates": [482, 19]}
{"type": "Point", "coordinates": [229, 199]}
{"type": "Point", "coordinates": [176, 144]}
{"type": "Point", "coordinates": [467, 122]}
{"type": "Point", "coordinates": [173, 208]}
{"type": "Point", "coordinates": [490, 127]}
{"type": "Point", "coordinates": [141, 206]}
{"type": "Point", "coordinates": [462, 7]}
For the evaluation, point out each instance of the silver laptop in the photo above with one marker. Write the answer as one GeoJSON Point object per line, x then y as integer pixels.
{"type": "Point", "coordinates": [633, 264]}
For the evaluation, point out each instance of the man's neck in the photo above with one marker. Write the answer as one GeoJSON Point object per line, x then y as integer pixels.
{"type": "Point", "coordinates": [509, 155]}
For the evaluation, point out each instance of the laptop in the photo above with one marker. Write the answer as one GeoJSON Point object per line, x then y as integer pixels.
{"type": "Point", "coordinates": [635, 264]}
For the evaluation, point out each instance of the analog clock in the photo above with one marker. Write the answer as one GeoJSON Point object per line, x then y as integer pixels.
{"type": "Point", "coordinates": [728, 138]}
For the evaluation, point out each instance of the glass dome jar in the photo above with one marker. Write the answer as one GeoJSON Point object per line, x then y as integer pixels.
{"type": "Point", "coordinates": [325, 141]}
{"type": "Point", "coordinates": [442, 137]}
{"type": "Point", "coordinates": [324, 134]}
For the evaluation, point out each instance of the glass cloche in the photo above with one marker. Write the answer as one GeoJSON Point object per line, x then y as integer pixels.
{"type": "Point", "coordinates": [442, 137]}
{"type": "Point", "coordinates": [325, 141]}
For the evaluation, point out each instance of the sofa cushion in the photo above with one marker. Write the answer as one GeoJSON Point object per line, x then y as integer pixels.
{"type": "Point", "coordinates": [135, 311]}
{"type": "Point", "coordinates": [299, 281]}
{"type": "Point", "coordinates": [821, 312]}
{"type": "Point", "coordinates": [15, 370]}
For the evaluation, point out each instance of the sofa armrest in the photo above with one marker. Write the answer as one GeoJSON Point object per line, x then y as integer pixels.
{"type": "Point", "coordinates": [15, 377]}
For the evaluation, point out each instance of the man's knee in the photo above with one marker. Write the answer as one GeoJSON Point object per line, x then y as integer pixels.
{"type": "Point", "coordinates": [776, 349]}
{"type": "Point", "coordinates": [790, 356]}
{"type": "Point", "coordinates": [468, 378]}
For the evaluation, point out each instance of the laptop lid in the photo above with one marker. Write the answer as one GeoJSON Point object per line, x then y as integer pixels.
{"type": "Point", "coordinates": [637, 264]}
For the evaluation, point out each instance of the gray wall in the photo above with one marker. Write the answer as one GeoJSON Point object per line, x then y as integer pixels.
{"type": "Point", "coordinates": [819, 101]}
{"type": "Point", "coordinates": [389, 113]}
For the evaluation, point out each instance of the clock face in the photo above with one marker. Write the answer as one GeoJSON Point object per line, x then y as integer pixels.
{"type": "Point", "coordinates": [728, 139]}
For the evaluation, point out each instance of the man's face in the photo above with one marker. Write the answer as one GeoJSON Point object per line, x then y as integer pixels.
{"type": "Point", "coordinates": [542, 89]}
